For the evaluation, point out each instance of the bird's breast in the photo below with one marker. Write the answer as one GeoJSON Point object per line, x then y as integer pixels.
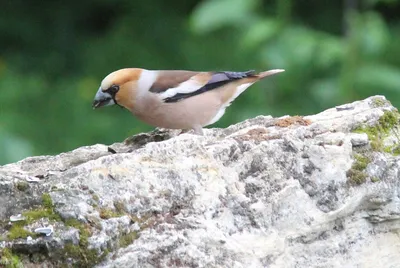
{"type": "Point", "coordinates": [195, 111]}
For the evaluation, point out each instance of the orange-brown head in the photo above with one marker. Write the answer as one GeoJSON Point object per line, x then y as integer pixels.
{"type": "Point", "coordinates": [118, 88]}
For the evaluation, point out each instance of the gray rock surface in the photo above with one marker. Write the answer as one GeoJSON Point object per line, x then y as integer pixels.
{"type": "Point", "coordinates": [314, 191]}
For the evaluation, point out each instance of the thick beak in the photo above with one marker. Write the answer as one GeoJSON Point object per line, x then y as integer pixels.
{"type": "Point", "coordinates": [102, 99]}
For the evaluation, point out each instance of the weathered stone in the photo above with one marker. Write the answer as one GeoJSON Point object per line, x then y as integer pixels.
{"type": "Point", "coordinates": [266, 192]}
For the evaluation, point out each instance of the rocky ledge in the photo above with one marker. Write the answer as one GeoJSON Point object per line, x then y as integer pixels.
{"type": "Point", "coordinates": [313, 191]}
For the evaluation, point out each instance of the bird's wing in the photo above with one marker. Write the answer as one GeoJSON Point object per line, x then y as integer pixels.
{"type": "Point", "coordinates": [174, 86]}
{"type": "Point", "coordinates": [167, 80]}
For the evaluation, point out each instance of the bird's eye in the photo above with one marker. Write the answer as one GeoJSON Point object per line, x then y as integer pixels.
{"type": "Point", "coordinates": [113, 89]}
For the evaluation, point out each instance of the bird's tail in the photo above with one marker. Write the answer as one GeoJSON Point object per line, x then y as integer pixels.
{"type": "Point", "coordinates": [268, 73]}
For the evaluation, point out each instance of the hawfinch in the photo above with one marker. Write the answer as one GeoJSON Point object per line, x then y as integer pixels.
{"type": "Point", "coordinates": [175, 99]}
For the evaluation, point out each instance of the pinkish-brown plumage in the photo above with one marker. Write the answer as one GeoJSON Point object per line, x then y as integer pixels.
{"type": "Point", "coordinates": [175, 99]}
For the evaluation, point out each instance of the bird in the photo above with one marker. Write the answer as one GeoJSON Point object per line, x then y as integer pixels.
{"type": "Point", "coordinates": [175, 99]}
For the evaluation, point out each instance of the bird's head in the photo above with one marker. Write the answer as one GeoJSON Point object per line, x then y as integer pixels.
{"type": "Point", "coordinates": [118, 88]}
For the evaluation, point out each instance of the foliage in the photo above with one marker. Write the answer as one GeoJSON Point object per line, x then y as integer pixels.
{"type": "Point", "coordinates": [54, 56]}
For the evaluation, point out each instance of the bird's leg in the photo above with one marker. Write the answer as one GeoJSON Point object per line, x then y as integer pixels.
{"type": "Point", "coordinates": [183, 131]}
{"type": "Point", "coordinates": [198, 130]}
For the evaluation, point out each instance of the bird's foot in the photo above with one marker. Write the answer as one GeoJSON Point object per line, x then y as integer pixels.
{"type": "Point", "coordinates": [198, 130]}
{"type": "Point", "coordinates": [183, 131]}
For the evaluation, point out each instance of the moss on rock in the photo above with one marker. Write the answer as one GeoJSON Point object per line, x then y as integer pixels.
{"type": "Point", "coordinates": [22, 186]}
{"type": "Point", "coordinates": [375, 179]}
{"type": "Point", "coordinates": [46, 201]}
{"type": "Point", "coordinates": [80, 253]}
{"type": "Point", "coordinates": [356, 174]}
{"type": "Point", "coordinates": [380, 102]}
{"type": "Point", "coordinates": [376, 134]}
{"type": "Point", "coordinates": [356, 177]}
{"type": "Point", "coordinates": [39, 213]}
{"type": "Point", "coordinates": [127, 239]}
{"type": "Point", "coordinates": [107, 213]}
{"type": "Point", "coordinates": [83, 257]}
{"type": "Point", "coordinates": [8, 259]}
{"type": "Point", "coordinates": [18, 231]}
{"type": "Point", "coordinates": [120, 207]}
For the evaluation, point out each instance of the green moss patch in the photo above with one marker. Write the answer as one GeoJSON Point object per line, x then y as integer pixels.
{"type": "Point", "coordinates": [44, 211]}
{"type": "Point", "coordinates": [95, 197]}
{"type": "Point", "coordinates": [380, 102]}
{"type": "Point", "coordinates": [18, 231]}
{"type": "Point", "coordinates": [107, 213]}
{"type": "Point", "coordinates": [127, 239]}
{"type": "Point", "coordinates": [80, 253]}
{"type": "Point", "coordinates": [120, 207]}
{"type": "Point", "coordinates": [361, 162]}
{"type": "Point", "coordinates": [375, 179]}
{"type": "Point", "coordinates": [392, 149]}
{"type": "Point", "coordinates": [8, 259]}
{"type": "Point", "coordinates": [22, 186]}
{"type": "Point", "coordinates": [47, 202]}
{"type": "Point", "coordinates": [84, 231]}
{"type": "Point", "coordinates": [388, 120]}
{"type": "Point", "coordinates": [396, 150]}
{"type": "Point", "coordinates": [356, 174]}
{"type": "Point", "coordinates": [36, 214]}
{"type": "Point", "coordinates": [356, 177]}
{"type": "Point", "coordinates": [376, 134]}
{"type": "Point", "coordinates": [83, 256]}
{"type": "Point", "coordinates": [387, 124]}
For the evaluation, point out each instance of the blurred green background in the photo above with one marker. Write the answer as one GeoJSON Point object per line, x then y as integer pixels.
{"type": "Point", "coordinates": [54, 55]}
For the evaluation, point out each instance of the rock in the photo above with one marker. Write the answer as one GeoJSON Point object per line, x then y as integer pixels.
{"type": "Point", "coordinates": [313, 191]}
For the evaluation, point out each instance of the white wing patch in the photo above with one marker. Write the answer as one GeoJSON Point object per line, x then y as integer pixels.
{"type": "Point", "coordinates": [184, 88]}
{"type": "Point", "coordinates": [240, 89]}
{"type": "Point", "coordinates": [146, 80]}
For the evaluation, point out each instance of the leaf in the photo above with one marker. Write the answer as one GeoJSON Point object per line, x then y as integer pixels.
{"type": "Point", "coordinates": [214, 14]}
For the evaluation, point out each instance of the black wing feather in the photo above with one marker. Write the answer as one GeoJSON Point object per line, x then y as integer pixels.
{"type": "Point", "coordinates": [217, 80]}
